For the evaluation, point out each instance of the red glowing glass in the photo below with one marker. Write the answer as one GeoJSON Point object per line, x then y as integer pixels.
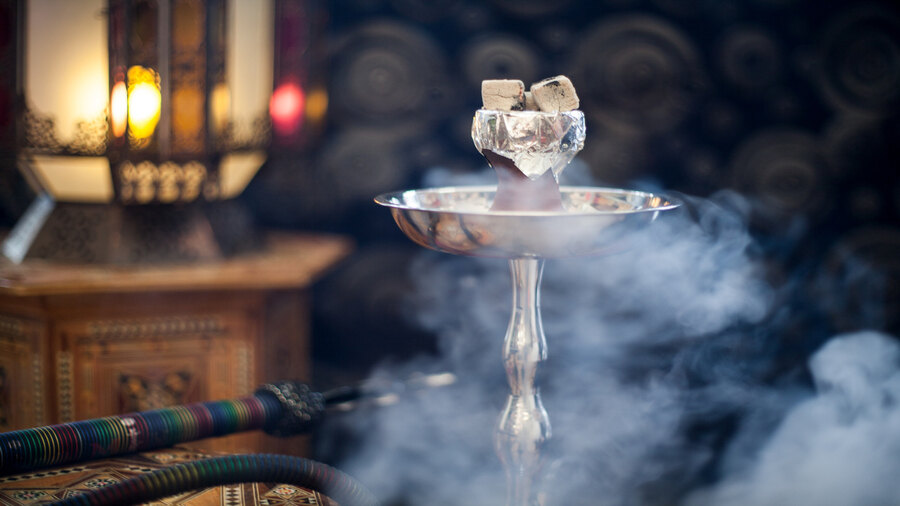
{"type": "Point", "coordinates": [286, 109]}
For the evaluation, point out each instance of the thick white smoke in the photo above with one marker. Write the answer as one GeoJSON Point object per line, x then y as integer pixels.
{"type": "Point", "coordinates": [656, 384]}
{"type": "Point", "coordinates": [839, 447]}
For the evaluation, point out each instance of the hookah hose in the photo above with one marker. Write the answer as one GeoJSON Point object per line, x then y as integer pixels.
{"type": "Point", "coordinates": [226, 470]}
{"type": "Point", "coordinates": [281, 409]}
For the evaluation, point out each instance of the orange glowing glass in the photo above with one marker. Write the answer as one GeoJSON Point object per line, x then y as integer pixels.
{"type": "Point", "coordinates": [220, 107]}
{"type": "Point", "coordinates": [118, 108]}
{"type": "Point", "coordinates": [317, 105]}
{"type": "Point", "coordinates": [144, 101]}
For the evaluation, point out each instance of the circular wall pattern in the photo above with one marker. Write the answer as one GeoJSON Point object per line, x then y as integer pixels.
{"type": "Point", "coordinates": [387, 72]}
{"type": "Point", "coordinates": [750, 59]}
{"type": "Point", "coordinates": [637, 73]}
{"type": "Point", "coordinates": [783, 170]}
{"type": "Point", "coordinates": [859, 60]}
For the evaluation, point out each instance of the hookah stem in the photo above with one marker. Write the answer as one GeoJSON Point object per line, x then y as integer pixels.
{"type": "Point", "coordinates": [524, 425]}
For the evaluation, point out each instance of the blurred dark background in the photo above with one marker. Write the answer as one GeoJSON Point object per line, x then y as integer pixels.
{"type": "Point", "coordinates": [793, 104]}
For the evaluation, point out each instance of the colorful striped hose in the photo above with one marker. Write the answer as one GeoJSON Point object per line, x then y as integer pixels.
{"type": "Point", "coordinates": [225, 470]}
{"type": "Point", "coordinates": [281, 408]}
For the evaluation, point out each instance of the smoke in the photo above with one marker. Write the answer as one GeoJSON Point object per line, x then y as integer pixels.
{"type": "Point", "coordinates": [659, 384]}
{"type": "Point", "coordinates": [838, 447]}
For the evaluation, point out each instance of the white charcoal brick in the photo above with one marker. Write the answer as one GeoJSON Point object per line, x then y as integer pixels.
{"type": "Point", "coordinates": [555, 94]}
{"type": "Point", "coordinates": [530, 104]}
{"type": "Point", "coordinates": [503, 94]}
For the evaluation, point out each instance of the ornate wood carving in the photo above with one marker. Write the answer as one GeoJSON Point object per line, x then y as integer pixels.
{"type": "Point", "coordinates": [4, 399]}
{"type": "Point", "coordinates": [149, 327]}
{"type": "Point", "coordinates": [142, 393]}
{"type": "Point", "coordinates": [21, 373]}
{"type": "Point", "coordinates": [64, 381]}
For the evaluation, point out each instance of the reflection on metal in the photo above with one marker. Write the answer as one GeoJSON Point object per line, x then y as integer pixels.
{"type": "Point", "coordinates": [380, 394]}
{"type": "Point", "coordinates": [524, 425]}
{"type": "Point", "coordinates": [458, 221]}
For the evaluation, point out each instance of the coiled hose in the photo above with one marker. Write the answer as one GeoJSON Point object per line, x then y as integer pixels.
{"type": "Point", "coordinates": [226, 470]}
{"type": "Point", "coordinates": [281, 409]}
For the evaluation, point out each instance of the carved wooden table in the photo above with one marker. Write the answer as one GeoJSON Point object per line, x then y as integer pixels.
{"type": "Point", "coordinates": [86, 341]}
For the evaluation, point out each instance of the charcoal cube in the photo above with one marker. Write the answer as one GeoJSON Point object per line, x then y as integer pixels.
{"type": "Point", "coordinates": [503, 94]}
{"type": "Point", "coordinates": [555, 94]}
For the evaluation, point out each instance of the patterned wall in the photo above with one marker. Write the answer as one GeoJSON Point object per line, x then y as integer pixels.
{"type": "Point", "coordinates": [793, 103]}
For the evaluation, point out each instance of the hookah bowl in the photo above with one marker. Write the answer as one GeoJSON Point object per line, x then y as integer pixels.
{"type": "Point", "coordinates": [465, 221]}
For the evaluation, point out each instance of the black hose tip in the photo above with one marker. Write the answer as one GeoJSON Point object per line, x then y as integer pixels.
{"type": "Point", "coordinates": [302, 408]}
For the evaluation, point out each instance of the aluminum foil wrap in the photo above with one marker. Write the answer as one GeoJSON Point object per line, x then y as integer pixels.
{"type": "Point", "coordinates": [535, 141]}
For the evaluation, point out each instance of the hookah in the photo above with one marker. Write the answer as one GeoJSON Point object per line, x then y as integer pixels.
{"type": "Point", "coordinates": [525, 219]}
